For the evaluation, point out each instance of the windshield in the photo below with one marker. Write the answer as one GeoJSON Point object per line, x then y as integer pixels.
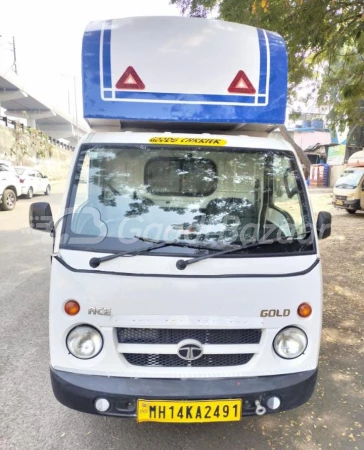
{"type": "Point", "coordinates": [349, 179]}
{"type": "Point", "coordinates": [200, 195]}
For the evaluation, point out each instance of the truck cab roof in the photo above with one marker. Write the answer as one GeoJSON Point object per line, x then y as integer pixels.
{"type": "Point", "coordinates": [241, 141]}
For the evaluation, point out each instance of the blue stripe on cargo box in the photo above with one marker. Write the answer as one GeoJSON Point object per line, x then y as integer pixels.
{"type": "Point", "coordinates": [263, 62]}
{"type": "Point", "coordinates": [106, 56]}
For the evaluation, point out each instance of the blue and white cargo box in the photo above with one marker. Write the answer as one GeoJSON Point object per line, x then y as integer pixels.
{"type": "Point", "coordinates": [182, 70]}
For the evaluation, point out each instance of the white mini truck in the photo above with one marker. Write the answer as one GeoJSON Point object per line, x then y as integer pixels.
{"type": "Point", "coordinates": [186, 279]}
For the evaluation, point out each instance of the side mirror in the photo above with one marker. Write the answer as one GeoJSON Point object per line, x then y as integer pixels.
{"type": "Point", "coordinates": [40, 216]}
{"type": "Point", "coordinates": [323, 225]}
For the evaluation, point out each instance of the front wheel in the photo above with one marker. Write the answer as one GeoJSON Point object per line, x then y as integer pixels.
{"type": "Point", "coordinates": [351, 211]}
{"type": "Point", "coordinates": [48, 190]}
{"type": "Point", "coordinates": [30, 193]}
{"type": "Point", "coordinates": [9, 200]}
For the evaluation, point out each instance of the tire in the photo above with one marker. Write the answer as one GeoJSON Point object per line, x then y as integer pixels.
{"type": "Point", "coordinates": [30, 193]}
{"type": "Point", "coordinates": [48, 190]}
{"type": "Point", "coordinates": [351, 211]}
{"type": "Point", "coordinates": [9, 200]}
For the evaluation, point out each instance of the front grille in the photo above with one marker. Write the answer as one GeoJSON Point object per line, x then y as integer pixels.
{"type": "Point", "coordinates": [146, 360]}
{"type": "Point", "coordinates": [341, 197]}
{"type": "Point", "coordinates": [173, 336]}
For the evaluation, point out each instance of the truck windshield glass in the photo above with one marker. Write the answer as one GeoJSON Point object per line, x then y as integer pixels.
{"type": "Point", "coordinates": [188, 194]}
{"type": "Point", "coordinates": [349, 179]}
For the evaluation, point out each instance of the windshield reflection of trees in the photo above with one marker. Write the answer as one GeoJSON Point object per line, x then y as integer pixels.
{"type": "Point", "coordinates": [114, 186]}
{"type": "Point", "coordinates": [227, 212]}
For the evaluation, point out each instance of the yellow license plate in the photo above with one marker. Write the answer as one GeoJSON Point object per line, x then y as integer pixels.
{"type": "Point", "coordinates": [339, 202]}
{"type": "Point", "coordinates": [189, 411]}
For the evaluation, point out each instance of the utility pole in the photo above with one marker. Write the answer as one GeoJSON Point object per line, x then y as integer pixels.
{"type": "Point", "coordinates": [74, 86]}
{"type": "Point", "coordinates": [12, 48]}
{"type": "Point", "coordinates": [75, 100]}
{"type": "Point", "coordinates": [15, 68]}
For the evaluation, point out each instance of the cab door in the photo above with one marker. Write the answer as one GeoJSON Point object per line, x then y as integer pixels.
{"type": "Point", "coordinates": [362, 194]}
{"type": "Point", "coordinates": [3, 178]}
{"type": "Point", "coordinates": [31, 180]}
{"type": "Point", "coordinates": [38, 182]}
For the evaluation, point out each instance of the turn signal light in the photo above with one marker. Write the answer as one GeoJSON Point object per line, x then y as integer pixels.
{"type": "Point", "coordinates": [304, 310]}
{"type": "Point", "coordinates": [72, 307]}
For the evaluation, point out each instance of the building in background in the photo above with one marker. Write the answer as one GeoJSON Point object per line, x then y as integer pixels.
{"type": "Point", "coordinates": [323, 148]}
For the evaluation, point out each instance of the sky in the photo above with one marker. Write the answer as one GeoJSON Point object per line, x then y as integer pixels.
{"type": "Point", "coordinates": [48, 37]}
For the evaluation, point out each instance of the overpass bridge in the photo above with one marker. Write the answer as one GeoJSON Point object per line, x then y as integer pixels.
{"type": "Point", "coordinates": [22, 101]}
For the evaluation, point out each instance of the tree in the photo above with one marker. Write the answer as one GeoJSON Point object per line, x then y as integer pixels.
{"type": "Point", "coordinates": [342, 89]}
{"type": "Point", "coordinates": [321, 35]}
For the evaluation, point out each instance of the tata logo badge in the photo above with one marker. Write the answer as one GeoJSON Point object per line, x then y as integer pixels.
{"type": "Point", "coordinates": [190, 350]}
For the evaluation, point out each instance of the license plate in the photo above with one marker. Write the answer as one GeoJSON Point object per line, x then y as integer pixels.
{"type": "Point", "coordinates": [189, 411]}
{"type": "Point", "coordinates": [339, 202]}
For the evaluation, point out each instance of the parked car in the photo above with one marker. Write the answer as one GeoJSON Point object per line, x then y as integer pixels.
{"type": "Point", "coordinates": [32, 182]}
{"type": "Point", "coordinates": [9, 186]}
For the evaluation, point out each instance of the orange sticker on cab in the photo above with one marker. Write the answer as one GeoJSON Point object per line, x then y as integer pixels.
{"type": "Point", "coordinates": [210, 142]}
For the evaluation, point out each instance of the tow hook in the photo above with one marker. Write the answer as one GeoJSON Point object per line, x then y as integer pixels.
{"type": "Point", "coordinates": [260, 410]}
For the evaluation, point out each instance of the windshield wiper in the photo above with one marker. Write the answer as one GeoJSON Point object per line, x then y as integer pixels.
{"type": "Point", "coordinates": [183, 263]}
{"type": "Point", "coordinates": [198, 244]}
{"type": "Point", "coordinates": [95, 262]}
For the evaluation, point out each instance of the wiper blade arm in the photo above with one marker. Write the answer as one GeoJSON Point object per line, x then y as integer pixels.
{"type": "Point", "coordinates": [95, 262]}
{"type": "Point", "coordinates": [198, 245]}
{"type": "Point", "coordinates": [183, 263]}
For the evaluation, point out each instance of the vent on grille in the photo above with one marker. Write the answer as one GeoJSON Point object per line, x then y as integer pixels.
{"type": "Point", "coordinates": [341, 197]}
{"type": "Point", "coordinates": [173, 336]}
{"type": "Point", "coordinates": [138, 359]}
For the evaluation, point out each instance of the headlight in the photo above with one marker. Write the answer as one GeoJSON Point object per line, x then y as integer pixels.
{"type": "Point", "coordinates": [84, 342]}
{"type": "Point", "coordinates": [290, 343]}
{"type": "Point", "coordinates": [351, 196]}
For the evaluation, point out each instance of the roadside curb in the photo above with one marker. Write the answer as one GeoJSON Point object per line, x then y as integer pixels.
{"type": "Point", "coordinates": [320, 190]}
{"type": "Point", "coordinates": [57, 181]}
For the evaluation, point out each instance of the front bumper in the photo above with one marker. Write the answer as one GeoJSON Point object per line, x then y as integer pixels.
{"type": "Point", "coordinates": [347, 204]}
{"type": "Point", "coordinates": [78, 391]}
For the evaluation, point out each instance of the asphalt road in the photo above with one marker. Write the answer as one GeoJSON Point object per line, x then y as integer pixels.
{"type": "Point", "coordinates": [31, 418]}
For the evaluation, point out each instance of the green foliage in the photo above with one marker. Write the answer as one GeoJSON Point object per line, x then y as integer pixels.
{"type": "Point", "coordinates": [29, 142]}
{"type": "Point", "coordinates": [342, 88]}
{"type": "Point", "coordinates": [321, 35]}
{"type": "Point", "coordinates": [19, 148]}
{"type": "Point", "coordinates": [40, 144]}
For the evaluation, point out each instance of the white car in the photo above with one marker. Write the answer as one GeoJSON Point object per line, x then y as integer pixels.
{"type": "Point", "coordinates": [9, 186]}
{"type": "Point", "coordinates": [32, 182]}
